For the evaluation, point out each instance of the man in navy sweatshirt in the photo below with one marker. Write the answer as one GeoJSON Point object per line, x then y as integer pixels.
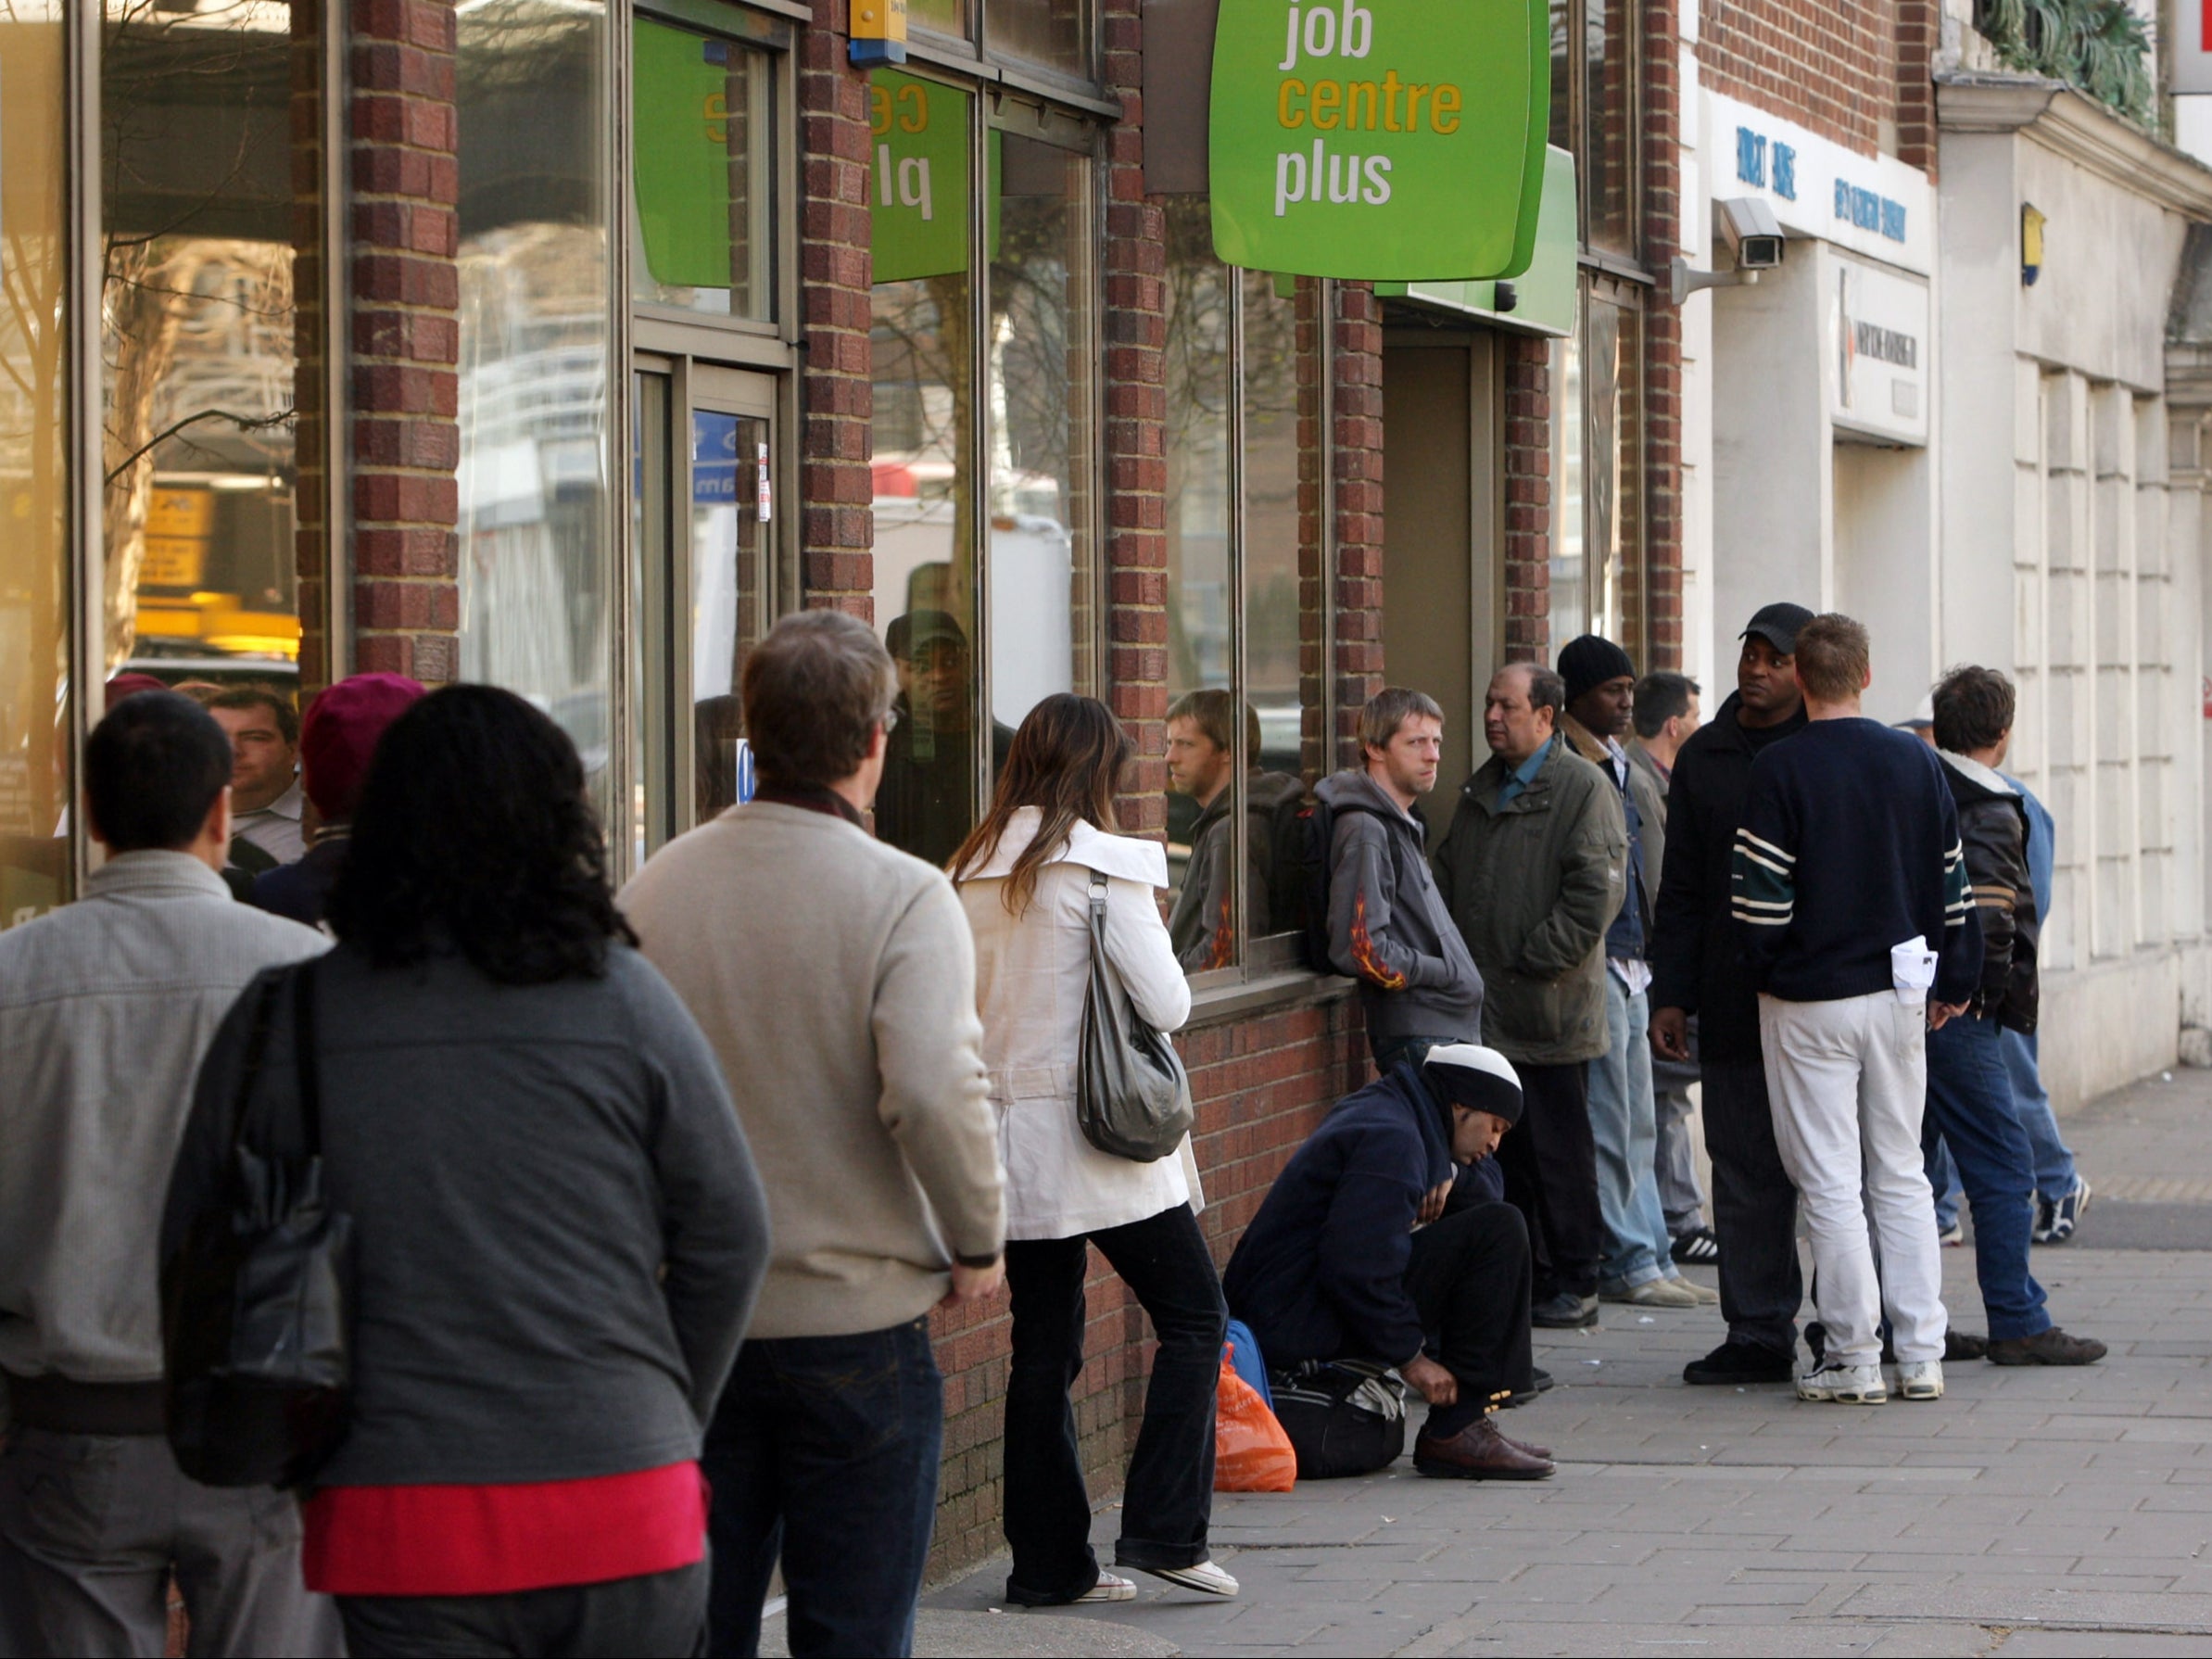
{"type": "Point", "coordinates": [1379, 1243]}
{"type": "Point", "coordinates": [1849, 890]}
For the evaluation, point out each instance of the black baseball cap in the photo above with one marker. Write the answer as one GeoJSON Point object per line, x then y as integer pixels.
{"type": "Point", "coordinates": [1777, 625]}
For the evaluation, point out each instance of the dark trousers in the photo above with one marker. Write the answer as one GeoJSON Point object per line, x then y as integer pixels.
{"type": "Point", "coordinates": [824, 1450]}
{"type": "Point", "coordinates": [1391, 1052]}
{"type": "Point", "coordinates": [1549, 1162]}
{"type": "Point", "coordinates": [658, 1612]}
{"type": "Point", "coordinates": [1754, 1209]}
{"type": "Point", "coordinates": [1168, 1501]}
{"type": "Point", "coordinates": [91, 1527]}
{"type": "Point", "coordinates": [1970, 1107]}
{"type": "Point", "coordinates": [1468, 1276]}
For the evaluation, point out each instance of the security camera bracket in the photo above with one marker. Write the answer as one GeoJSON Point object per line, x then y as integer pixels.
{"type": "Point", "coordinates": [1683, 280]}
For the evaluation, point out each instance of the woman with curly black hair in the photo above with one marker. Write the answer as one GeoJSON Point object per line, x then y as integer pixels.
{"type": "Point", "coordinates": [558, 1229]}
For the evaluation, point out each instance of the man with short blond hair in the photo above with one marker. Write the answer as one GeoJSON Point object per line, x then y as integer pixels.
{"type": "Point", "coordinates": [1848, 886]}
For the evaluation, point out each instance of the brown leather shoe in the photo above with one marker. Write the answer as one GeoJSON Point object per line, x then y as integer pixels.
{"type": "Point", "coordinates": [1477, 1452]}
{"type": "Point", "coordinates": [1528, 1446]}
{"type": "Point", "coordinates": [2052, 1346]}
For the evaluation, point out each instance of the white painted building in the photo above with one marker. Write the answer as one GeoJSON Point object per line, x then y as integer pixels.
{"type": "Point", "coordinates": [1898, 423]}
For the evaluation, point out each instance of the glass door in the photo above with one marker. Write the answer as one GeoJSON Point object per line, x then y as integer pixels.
{"type": "Point", "coordinates": [704, 515]}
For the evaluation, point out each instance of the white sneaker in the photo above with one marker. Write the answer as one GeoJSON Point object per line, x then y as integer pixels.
{"type": "Point", "coordinates": [1652, 1293]}
{"type": "Point", "coordinates": [1844, 1385]}
{"type": "Point", "coordinates": [1108, 1589]}
{"type": "Point", "coordinates": [1920, 1379]}
{"type": "Point", "coordinates": [1206, 1578]}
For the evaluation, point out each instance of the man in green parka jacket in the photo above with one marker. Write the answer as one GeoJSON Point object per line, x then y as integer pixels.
{"type": "Point", "coordinates": [1534, 869]}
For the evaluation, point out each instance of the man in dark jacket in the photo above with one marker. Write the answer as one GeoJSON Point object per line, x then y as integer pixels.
{"type": "Point", "coordinates": [337, 739]}
{"type": "Point", "coordinates": [1696, 970]}
{"type": "Point", "coordinates": [1367, 1248]}
{"type": "Point", "coordinates": [1532, 869]}
{"type": "Point", "coordinates": [1639, 1252]}
{"type": "Point", "coordinates": [1388, 926]}
{"type": "Point", "coordinates": [1970, 1091]}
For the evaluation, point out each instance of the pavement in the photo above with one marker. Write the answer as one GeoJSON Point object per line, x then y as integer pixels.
{"type": "Point", "coordinates": [2029, 1512]}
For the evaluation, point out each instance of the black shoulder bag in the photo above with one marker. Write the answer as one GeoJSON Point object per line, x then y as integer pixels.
{"type": "Point", "coordinates": [253, 1309]}
{"type": "Point", "coordinates": [1133, 1098]}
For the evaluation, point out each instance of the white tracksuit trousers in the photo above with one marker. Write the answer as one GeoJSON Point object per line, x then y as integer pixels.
{"type": "Point", "coordinates": [1848, 1081]}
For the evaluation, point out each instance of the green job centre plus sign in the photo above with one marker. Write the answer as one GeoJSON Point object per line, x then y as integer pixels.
{"type": "Point", "coordinates": [917, 176]}
{"type": "Point", "coordinates": [1398, 140]}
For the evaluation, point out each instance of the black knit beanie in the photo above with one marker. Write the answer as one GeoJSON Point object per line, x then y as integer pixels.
{"type": "Point", "coordinates": [1589, 662]}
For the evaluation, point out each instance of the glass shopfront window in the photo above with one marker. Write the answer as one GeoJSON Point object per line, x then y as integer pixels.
{"type": "Point", "coordinates": [985, 562]}
{"type": "Point", "coordinates": [1596, 532]}
{"type": "Point", "coordinates": [1244, 639]}
{"type": "Point", "coordinates": [702, 226]}
{"type": "Point", "coordinates": [197, 320]}
{"type": "Point", "coordinates": [536, 597]}
{"type": "Point", "coordinates": [1054, 33]}
{"type": "Point", "coordinates": [36, 692]}
{"type": "Point", "coordinates": [1595, 65]}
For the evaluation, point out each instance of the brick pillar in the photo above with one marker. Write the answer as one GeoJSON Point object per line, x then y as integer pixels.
{"type": "Point", "coordinates": [1319, 746]}
{"type": "Point", "coordinates": [836, 395]}
{"type": "Point", "coordinates": [1356, 364]}
{"type": "Point", "coordinates": [1661, 433]}
{"type": "Point", "coordinates": [312, 525]}
{"type": "Point", "coordinates": [1919, 27]}
{"type": "Point", "coordinates": [1528, 500]}
{"type": "Point", "coordinates": [405, 339]}
{"type": "Point", "coordinates": [1136, 332]}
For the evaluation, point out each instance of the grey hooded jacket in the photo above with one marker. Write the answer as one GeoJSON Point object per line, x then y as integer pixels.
{"type": "Point", "coordinates": [1388, 926]}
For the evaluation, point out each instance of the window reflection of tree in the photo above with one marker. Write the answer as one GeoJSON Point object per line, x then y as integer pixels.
{"type": "Point", "coordinates": [197, 303]}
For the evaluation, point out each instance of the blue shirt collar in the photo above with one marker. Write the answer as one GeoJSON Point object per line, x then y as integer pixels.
{"type": "Point", "coordinates": [1526, 773]}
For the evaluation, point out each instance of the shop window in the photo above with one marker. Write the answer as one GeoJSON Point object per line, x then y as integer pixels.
{"type": "Point", "coordinates": [703, 179]}
{"type": "Point", "coordinates": [36, 690]}
{"type": "Point", "coordinates": [942, 17]}
{"type": "Point", "coordinates": [1595, 62]}
{"type": "Point", "coordinates": [1244, 639]}
{"type": "Point", "coordinates": [985, 547]}
{"type": "Point", "coordinates": [1055, 34]}
{"type": "Point", "coordinates": [197, 319]}
{"type": "Point", "coordinates": [1597, 533]}
{"type": "Point", "coordinates": [535, 610]}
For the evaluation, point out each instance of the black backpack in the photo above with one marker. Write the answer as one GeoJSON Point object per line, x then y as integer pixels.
{"type": "Point", "coordinates": [1302, 839]}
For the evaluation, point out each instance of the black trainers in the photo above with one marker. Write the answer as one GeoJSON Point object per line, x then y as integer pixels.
{"type": "Point", "coordinates": [1697, 1247]}
{"type": "Point", "coordinates": [1735, 1362]}
{"type": "Point", "coordinates": [1565, 1311]}
{"type": "Point", "coordinates": [2052, 1346]}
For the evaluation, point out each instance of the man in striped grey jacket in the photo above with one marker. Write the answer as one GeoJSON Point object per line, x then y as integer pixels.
{"type": "Point", "coordinates": [1849, 892]}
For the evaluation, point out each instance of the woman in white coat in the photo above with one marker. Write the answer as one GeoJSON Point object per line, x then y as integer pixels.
{"type": "Point", "coordinates": [1025, 876]}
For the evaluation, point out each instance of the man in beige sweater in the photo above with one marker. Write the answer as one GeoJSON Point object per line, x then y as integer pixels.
{"type": "Point", "coordinates": [834, 976]}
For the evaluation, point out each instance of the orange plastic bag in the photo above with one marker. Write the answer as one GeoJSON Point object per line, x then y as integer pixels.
{"type": "Point", "coordinates": [1251, 1452]}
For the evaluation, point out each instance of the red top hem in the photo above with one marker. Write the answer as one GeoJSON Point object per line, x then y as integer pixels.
{"type": "Point", "coordinates": [480, 1540]}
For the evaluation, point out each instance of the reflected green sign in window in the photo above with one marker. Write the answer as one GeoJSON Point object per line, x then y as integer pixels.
{"type": "Point", "coordinates": [1385, 139]}
{"type": "Point", "coordinates": [683, 156]}
{"type": "Point", "coordinates": [917, 176]}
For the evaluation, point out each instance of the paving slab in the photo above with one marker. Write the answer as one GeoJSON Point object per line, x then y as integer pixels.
{"type": "Point", "coordinates": [2028, 1513]}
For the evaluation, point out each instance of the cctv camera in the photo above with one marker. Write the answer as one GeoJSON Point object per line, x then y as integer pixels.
{"type": "Point", "coordinates": [1754, 235]}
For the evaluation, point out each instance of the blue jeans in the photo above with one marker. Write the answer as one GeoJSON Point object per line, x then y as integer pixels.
{"type": "Point", "coordinates": [1639, 1249]}
{"type": "Point", "coordinates": [2053, 1162]}
{"type": "Point", "coordinates": [2048, 1153]}
{"type": "Point", "coordinates": [1970, 1105]}
{"type": "Point", "coordinates": [824, 1451]}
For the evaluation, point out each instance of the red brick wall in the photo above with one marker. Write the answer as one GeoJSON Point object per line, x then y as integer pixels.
{"type": "Point", "coordinates": [1829, 65]}
{"type": "Point", "coordinates": [312, 527]}
{"type": "Point", "coordinates": [1260, 1085]}
{"type": "Point", "coordinates": [1919, 26]}
{"type": "Point", "coordinates": [404, 231]}
{"type": "Point", "coordinates": [1662, 576]}
{"type": "Point", "coordinates": [836, 397]}
{"type": "Point", "coordinates": [1356, 370]}
{"type": "Point", "coordinates": [1528, 505]}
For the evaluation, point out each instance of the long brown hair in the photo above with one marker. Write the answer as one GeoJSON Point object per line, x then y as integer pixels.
{"type": "Point", "coordinates": [1066, 761]}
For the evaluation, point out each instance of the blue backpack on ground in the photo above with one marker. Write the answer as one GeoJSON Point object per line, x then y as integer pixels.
{"type": "Point", "coordinates": [1244, 1356]}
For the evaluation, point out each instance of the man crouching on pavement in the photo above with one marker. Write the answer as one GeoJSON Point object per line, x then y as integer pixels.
{"type": "Point", "coordinates": [1380, 1243]}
